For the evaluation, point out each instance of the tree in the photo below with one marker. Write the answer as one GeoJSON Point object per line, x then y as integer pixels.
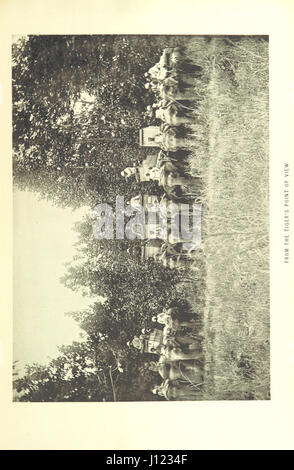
{"type": "Point", "coordinates": [73, 376]}
{"type": "Point", "coordinates": [77, 110]}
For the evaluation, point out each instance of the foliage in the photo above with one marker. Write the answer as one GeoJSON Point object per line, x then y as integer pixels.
{"type": "Point", "coordinates": [77, 110]}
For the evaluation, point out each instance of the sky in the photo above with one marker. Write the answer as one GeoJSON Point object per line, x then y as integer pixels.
{"type": "Point", "coordinates": [43, 242]}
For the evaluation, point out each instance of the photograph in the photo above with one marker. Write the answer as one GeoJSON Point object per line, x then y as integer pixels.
{"type": "Point", "coordinates": [141, 260]}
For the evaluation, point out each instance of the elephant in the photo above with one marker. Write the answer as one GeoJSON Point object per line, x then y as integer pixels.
{"type": "Point", "coordinates": [174, 58]}
{"type": "Point", "coordinates": [174, 115]}
{"type": "Point", "coordinates": [169, 89]}
{"type": "Point", "coordinates": [176, 184]}
{"type": "Point", "coordinates": [172, 140]}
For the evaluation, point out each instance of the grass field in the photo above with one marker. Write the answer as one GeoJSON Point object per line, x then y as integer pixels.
{"type": "Point", "coordinates": [231, 154]}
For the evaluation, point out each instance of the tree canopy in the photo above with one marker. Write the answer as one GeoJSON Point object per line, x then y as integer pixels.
{"type": "Point", "coordinates": [77, 111]}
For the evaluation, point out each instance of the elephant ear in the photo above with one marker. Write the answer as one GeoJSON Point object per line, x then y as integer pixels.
{"type": "Point", "coordinates": [169, 105]}
{"type": "Point", "coordinates": [165, 127]}
{"type": "Point", "coordinates": [168, 89]}
{"type": "Point", "coordinates": [172, 90]}
{"type": "Point", "coordinates": [169, 166]}
{"type": "Point", "coordinates": [174, 109]}
{"type": "Point", "coordinates": [172, 132]}
{"type": "Point", "coordinates": [171, 81]}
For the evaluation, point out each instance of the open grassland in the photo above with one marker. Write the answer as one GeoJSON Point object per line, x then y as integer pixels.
{"type": "Point", "coordinates": [231, 154]}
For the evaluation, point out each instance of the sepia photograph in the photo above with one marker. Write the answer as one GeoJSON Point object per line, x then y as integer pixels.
{"type": "Point", "coordinates": [141, 218]}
